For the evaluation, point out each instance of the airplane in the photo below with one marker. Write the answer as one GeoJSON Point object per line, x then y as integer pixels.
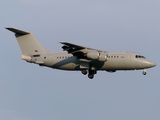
{"type": "Point", "coordinates": [78, 58]}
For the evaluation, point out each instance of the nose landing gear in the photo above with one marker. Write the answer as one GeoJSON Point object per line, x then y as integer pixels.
{"type": "Point", "coordinates": [144, 72]}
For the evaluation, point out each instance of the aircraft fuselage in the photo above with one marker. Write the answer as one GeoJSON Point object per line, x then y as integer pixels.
{"type": "Point", "coordinates": [115, 61]}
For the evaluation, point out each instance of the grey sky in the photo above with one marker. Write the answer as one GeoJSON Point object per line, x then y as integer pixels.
{"type": "Point", "coordinates": [30, 92]}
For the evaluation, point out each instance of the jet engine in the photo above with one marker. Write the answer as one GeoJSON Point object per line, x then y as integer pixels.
{"type": "Point", "coordinates": [95, 55]}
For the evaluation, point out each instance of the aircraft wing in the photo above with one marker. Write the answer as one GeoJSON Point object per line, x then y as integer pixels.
{"type": "Point", "coordinates": [76, 50]}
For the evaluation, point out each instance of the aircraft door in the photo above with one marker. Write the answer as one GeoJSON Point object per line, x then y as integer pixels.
{"type": "Point", "coordinates": [127, 58]}
{"type": "Point", "coordinates": [48, 59]}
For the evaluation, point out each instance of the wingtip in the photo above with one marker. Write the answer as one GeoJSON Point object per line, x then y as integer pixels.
{"type": "Point", "coordinates": [62, 42]}
{"type": "Point", "coordinates": [8, 28]}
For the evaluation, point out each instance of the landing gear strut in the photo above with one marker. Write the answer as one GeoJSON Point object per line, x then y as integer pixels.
{"type": "Point", "coordinates": [144, 72]}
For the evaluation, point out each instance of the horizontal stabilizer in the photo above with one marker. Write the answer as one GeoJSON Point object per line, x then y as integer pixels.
{"type": "Point", "coordinates": [16, 31]}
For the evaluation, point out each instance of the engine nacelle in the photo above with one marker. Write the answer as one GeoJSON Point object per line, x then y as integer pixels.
{"type": "Point", "coordinates": [102, 57]}
{"type": "Point", "coordinates": [95, 55]}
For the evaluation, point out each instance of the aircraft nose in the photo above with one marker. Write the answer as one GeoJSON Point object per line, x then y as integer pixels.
{"type": "Point", "coordinates": [149, 64]}
{"type": "Point", "coordinates": [152, 64]}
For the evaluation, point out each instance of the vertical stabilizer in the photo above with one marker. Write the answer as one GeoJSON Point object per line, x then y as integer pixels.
{"type": "Point", "coordinates": [28, 43]}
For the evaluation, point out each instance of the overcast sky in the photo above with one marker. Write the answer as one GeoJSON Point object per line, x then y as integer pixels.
{"type": "Point", "coordinates": [30, 92]}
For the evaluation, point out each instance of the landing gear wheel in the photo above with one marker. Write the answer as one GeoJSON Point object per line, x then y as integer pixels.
{"type": "Point", "coordinates": [84, 72]}
{"type": "Point", "coordinates": [91, 76]}
{"type": "Point", "coordinates": [144, 72]}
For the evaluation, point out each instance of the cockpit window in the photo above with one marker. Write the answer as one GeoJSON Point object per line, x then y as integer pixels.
{"type": "Point", "coordinates": [143, 57]}
{"type": "Point", "coordinates": [139, 56]}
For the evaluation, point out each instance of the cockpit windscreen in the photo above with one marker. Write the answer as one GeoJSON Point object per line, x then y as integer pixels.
{"type": "Point", "coordinates": [140, 56]}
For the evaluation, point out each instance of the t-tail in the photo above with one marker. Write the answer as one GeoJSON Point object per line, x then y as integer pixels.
{"type": "Point", "coordinates": [28, 44]}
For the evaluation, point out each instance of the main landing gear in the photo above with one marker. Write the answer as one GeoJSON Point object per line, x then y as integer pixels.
{"type": "Point", "coordinates": [84, 72]}
{"type": "Point", "coordinates": [91, 73]}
